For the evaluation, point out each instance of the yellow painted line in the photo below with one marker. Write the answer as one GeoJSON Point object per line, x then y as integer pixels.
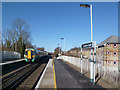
{"type": "Point", "coordinates": [55, 86]}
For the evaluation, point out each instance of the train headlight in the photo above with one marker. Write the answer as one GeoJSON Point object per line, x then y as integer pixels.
{"type": "Point", "coordinates": [25, 56]}
{"type": "Point", "coordinates": [33, 56]}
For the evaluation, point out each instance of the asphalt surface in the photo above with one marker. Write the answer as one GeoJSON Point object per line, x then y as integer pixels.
{"type": "Point", "coordinates": [67, 77]}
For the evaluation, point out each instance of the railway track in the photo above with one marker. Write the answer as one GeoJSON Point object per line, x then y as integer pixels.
{"type": "Point", "coordinates": [12, 81]}
{"type": "Point", "coordinates": [8, 68]}
{"type": "Point", "coordinates": [13, 73]}
{"type": "Point", "coordinates": [24, 78]}
{"type": "Point", "coordinates": [32, 80]}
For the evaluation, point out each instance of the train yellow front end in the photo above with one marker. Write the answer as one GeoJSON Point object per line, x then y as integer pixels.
{"type": "Point", "coordinates": [29, 55]}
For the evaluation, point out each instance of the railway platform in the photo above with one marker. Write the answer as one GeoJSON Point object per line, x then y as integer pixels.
{"type": "Point", "coordinates": [61, 75]}
{"type": "Point", "coordinates": [47, 78]}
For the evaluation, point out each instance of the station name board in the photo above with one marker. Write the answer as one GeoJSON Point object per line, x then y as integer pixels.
{"type": "Point", "coordinates": [87, 45]}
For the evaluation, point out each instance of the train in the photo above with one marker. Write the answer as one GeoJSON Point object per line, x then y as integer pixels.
{"type": "Point", "coordinates": [31, 54]}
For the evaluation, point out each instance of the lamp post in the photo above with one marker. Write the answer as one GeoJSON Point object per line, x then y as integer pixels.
{"type": "Point", "coordinates": [59, 49]}
{"type": "Point", "coordinates": [64, 47]}
{"type": "Point", "coordinates": [91, 71]}
{"type": "Point", "coordinates": [89, 6]}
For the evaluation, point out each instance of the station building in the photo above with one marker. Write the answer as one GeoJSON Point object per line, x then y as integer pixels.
{"type": "Point", "coordinates": [108, 52]}
{"type": "Point", "coordinates": [75, 51]}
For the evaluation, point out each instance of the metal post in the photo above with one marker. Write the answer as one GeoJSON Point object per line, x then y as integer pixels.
{"type": "Point", "coordinates": [64, 49]}
{"type": "Point", "coordinates": [91, 73]}
{"type": "Point", "coordinates": [94, 60]}
{"type": "Point", "coordinates": [59, 50]}
{"type": "Point", "coordinates": [91, 23]}
{"type": "Point", "coordinates": [81, 61]}
{"type": "Point", "coordinates": [91, 69]}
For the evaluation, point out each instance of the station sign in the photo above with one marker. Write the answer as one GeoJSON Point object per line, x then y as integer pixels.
{"type": "Point", "coordinates": [87, 45]}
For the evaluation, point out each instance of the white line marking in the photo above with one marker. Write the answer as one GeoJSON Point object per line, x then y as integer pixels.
{"type": "Point", "coordinates": [12, 62]}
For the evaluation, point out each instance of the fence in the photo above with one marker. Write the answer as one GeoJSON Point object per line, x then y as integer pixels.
{"type": "Point", "coordinates": [107, 73]}
{"type": "Point", "coordinates": [9, 55]}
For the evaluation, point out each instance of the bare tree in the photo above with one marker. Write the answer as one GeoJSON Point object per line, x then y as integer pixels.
{"type": "Point", "coordinates": [22, 34]}
{"type": "Point", "coordinates": [12, 34]}
{"type": "Point", "coordinates": [17, 38]}
{"type": "Point", "coordinates": [7, 39]}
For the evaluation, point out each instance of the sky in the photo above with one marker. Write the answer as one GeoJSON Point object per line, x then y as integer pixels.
{"type": "Point", "coordinates": [50, 21]}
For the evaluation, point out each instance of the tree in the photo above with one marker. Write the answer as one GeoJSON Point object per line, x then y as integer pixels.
{"type": "Point", "coordinates": [22, 35]}
{"type": "Point", "coordinates": [7, 40]}
{"type": "Point", "coordinates": [17, 38]}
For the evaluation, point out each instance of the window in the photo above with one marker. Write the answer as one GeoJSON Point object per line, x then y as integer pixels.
{"type": "Point", "coordinates": [114, 62]}
{"type": "Point", "coordinates": [108, 44]}
{"type": "Point", "coordinates": [108, 52]}
{"type": "Point", "coordinates": [33, 52]}
{"type": "Point", "coordinates": [115, 53]}
{"type": "Point", "coordinates": [115, 45]}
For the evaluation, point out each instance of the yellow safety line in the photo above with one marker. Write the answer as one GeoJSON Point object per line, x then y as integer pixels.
{"type": "Point", "coordinates": [55, 86]}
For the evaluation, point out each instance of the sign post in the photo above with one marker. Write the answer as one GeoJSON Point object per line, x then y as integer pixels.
{"type": "Point", "coordinates": [91, 45]}
{"type": "Point", "coordinates": [91, 65]}
{"type": "Point", "coordinates": [88, 45]}
{"type": "Point", "coordinates": [81, 61]}
{"type": "Point", "coordinates": [94, 61]}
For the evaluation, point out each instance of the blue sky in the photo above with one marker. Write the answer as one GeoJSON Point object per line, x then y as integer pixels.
{"type": "Point", "coordinates": [50, 21]}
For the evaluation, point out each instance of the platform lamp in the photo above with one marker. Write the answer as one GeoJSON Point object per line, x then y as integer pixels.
{"type": "Point", "coordinates": [91, 71]}
{"type": "Point", "coordinates": [64, 47]}
{"type": "Point", "coordinates": [59, 49]}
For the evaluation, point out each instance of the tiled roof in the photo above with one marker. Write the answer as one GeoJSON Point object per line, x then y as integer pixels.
{"type": "Point", "coordinates": [111, 39]}
{"type": "Point", "coordinates": [79, 49]}
{"type": "Point", "coordinates": [76, 49]}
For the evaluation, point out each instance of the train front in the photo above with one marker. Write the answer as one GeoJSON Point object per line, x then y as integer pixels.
{"type": "Point", "coordinates": [29, 55]}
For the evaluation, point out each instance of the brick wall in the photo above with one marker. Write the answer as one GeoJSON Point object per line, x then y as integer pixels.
{"type": "Point", "coordinates": [110, 54]}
